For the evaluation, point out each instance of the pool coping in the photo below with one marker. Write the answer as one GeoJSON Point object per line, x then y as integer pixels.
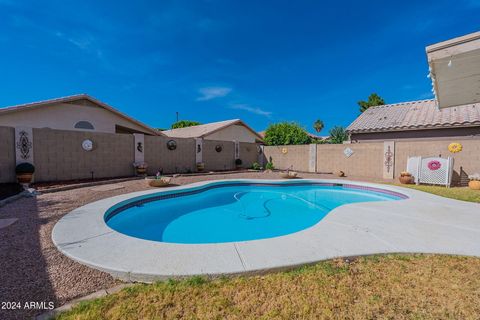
{"type": "Point", "coordinates": [422, 223]}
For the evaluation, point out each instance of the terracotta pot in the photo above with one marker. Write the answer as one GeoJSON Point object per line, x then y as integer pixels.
{"type": "Point", "coordinates": [474, 185]}
{"type": "Point", "coordinates": [200, 166]}
{"type": "Point", "coordinates": [405, 179]}
{"type": "Point", "coordinates": [24, 177]}
{"type": "Point", "coordinates": [141, 170]}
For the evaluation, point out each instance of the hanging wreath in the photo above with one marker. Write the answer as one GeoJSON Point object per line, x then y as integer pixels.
{"type": "Point", "coordinates": [455, 147]}
{"type": "Point", "coordinates": [434, 165]}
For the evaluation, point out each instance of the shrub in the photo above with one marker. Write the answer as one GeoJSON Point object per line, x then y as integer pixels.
{"type": "Point", "coordinates": [184, 124]}
{"type": "Point", "coordinates": [25, 167]}
{"type": "Point", "coordinates": [256, 166]}
{"type": "Point", "coordinates": [285, 133]}
{"type": "Point", "coordinates": [338, 135]}
{"type": "Point", "coordinates": [269, 166]}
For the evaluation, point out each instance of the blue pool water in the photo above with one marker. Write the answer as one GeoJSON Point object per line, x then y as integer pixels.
{"type": "Point", "coordinates": [233, 213]}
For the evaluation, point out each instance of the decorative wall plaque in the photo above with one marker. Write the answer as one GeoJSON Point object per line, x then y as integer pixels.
{"type": "Point", "coordinates": [24, 145]}
{"type": "Point", "coordinates": [218, 148]}
{"type": "Point", "coordinates": [87, 145]}
{"type": "Point", "coordinates": [171, 145]}
{"type": "Point", "coordinates": [348, 152]}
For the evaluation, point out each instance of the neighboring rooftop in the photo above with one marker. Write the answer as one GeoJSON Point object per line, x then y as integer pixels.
{"type": "Point", "coordinates": [204, 130]}
{"type": "Point", "coordinates": [72, 99]}
{"type": "Point", "coordinates": [415, 115]}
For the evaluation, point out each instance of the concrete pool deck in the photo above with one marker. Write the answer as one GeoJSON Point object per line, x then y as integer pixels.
{"type": "Point", "coordinates": [424, 223]}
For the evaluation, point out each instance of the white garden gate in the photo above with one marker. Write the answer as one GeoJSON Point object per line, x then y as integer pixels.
{"type": "Point", "coordinates": [431, 170]}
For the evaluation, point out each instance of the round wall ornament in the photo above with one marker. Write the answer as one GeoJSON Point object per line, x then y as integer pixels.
{"type": "Point", "coordinates": [455, 147]}
{"type": "Point", "coordinates": [171, 145]}
{"type": "Point", "coordinates": [284, 150]}
{"type": "Point", "coordinates": [434, 165]}
{"type": "Point", "coordinates": [218, 148]}
{"type": "Point", "coordinates": [87, 145]}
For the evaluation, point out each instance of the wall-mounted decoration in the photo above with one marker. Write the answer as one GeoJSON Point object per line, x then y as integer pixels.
{"type": "Point", "coordinates": [87, 145]}
{"type": "Point", "coordinates": [434, 165]}
{"type": "Point", "coordinates": [455, 147]}
{"type": "Point", "coordinates": [140, 147]}
{"type": "Point", "coordinates": [259, 150]}
{"type": "Point", "coordinates": [284, 150]}
{"type": "Point", "coordinates": [218, 148]}
{"type": "Point", "coordinates": [199, 148]}
{"type": "Point", "coordinates": [171, 145]}
{"type": "Point", "coordinates": [24, 145]}
{"type": "Point", "coordinates": [348, 152]}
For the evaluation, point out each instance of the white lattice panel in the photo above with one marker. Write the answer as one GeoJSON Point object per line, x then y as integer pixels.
{"type": "Point", "coordinates": [435, 170]}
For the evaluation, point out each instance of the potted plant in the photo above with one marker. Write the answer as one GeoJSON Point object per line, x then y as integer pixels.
{"type": "Point", "coordinates": [25, 172]}
{"type": "Point", "coordinates": [140, 167]}
{"type": "Point", "coordinates": [158, 181]}
{"type": "Point", "coordinates": [256, 166]}
{"type": "Point", "coordinates": [474, 182]}
{"type": "Point", "coordinates": [405, 177]}
{"type": "Point", "coordinates": [238, 163]}
{"type": "Point", "coordinates": [200, 166]}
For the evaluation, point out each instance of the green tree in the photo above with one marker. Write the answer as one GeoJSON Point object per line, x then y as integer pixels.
{"type": "Point", "coordinates": [338, 135]}
{"type": "Point", "coordinates": [285, 133]}
{"type": "Point", "coordinates": [373, 100]}
{"type": "Point", "coordinates": [318, 125]}
{"type": "Point", "coordinates": [184, 124]}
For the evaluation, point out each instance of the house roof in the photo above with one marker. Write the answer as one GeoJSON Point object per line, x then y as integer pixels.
{"type": "Point", "coordinates": [203, 130]}
{"type": "Point", "coordinates": [415, 115]}
{"type": "Point", "coordinates": [69, 99]}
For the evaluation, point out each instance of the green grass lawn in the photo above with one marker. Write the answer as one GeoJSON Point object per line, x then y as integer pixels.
{"type": "Point", "coordinates": [376, 287]}
{"type": "Point", "coordinates": [458, 193]}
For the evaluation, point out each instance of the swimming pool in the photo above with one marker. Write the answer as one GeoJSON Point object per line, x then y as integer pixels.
{"type": "Point", "coordinates": [231, 212]}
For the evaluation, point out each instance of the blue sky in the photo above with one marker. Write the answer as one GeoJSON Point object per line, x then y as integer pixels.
{"type": "Point", "coordinates": [261, 61]}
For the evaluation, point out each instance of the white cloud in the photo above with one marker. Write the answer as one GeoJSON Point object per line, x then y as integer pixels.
{"type": "Point", "coordinates": [210, 93]}
{"type": "Point", "coordinates": [251, 109]}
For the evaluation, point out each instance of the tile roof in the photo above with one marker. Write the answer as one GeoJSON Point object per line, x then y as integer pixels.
{"type": "Point", "coordinates": [203, 130]}
{"type": "Point", "coordinates": [415, 115]}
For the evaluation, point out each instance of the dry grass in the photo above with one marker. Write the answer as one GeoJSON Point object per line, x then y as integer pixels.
{"type": "Point", "coordinates": [392, 286]}
{"type": "Point", "coordinates": [458, 193]}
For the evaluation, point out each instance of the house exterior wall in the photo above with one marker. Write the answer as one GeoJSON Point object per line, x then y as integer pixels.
{"type": "Point", "coordinates": [7, 154]}
{"type": "Point", "coordinates": [159, 157]}
{"type": "Point", "coordinates": [58, 155]}
{"type": "Point", "coordinates": [64, 116]}
{"type": "Point", "coordinates": [231, 133]}
{"type": "Point", "coordinates": [416, 134]}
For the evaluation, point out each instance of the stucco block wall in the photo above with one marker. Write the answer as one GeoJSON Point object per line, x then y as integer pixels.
{"type": "Point", "coordinates": [214, 160]}
{"type": "Point", "coordinates": [248, 154]}
{"type": "Point", "coordinates": [366, 161]}
{"type": "Point", "coordinates": [158, 156]}
{"type": "Point", "coordinates": [7, 154]}
{"type": "Point", "coordinates": [296, 157]}
{"type": "Point", "coordinates": [468, 159]}
{"type": "Point", "coordinates": [58, 155]}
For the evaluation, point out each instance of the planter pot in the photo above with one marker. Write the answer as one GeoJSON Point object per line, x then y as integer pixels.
{"type": "Point", "coordinates": [141, 171]}
{"type": "Point", "coordinates": [162, 182]}
{"type": "Point", "coordinates": [24, 177]}
{"type": "Point", "coordinates": [474, 185]}
{"type": "Point", "coordinates": [405, 179]}
{"type": "Point", "coordinates": [288, 175]}
{"type": "Point", "coordinates": [200, 166]}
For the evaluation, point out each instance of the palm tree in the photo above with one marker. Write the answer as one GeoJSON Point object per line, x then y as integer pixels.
{"type": "Point", "coordinates": [318, 125]}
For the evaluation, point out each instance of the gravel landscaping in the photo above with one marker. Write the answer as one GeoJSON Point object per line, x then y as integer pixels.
{"type": "Point", "coordinates": [34, 270]}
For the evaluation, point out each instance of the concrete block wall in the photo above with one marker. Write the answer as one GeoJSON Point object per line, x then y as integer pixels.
{"type": "Point", "coordinates": [218, 161]}
{"type": "Point", "coordinates": [366, 160]}
{"type": "Point", "coordinates": [158, 156]}
{"type": "Point", "coordinates": [7, 154]}
{"type": "Point", "coordinates": [58, 155]}
{"type": "Point", "coordinates": [296, 157]}
{"type": "Point", "coordinates": [248, 154]}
